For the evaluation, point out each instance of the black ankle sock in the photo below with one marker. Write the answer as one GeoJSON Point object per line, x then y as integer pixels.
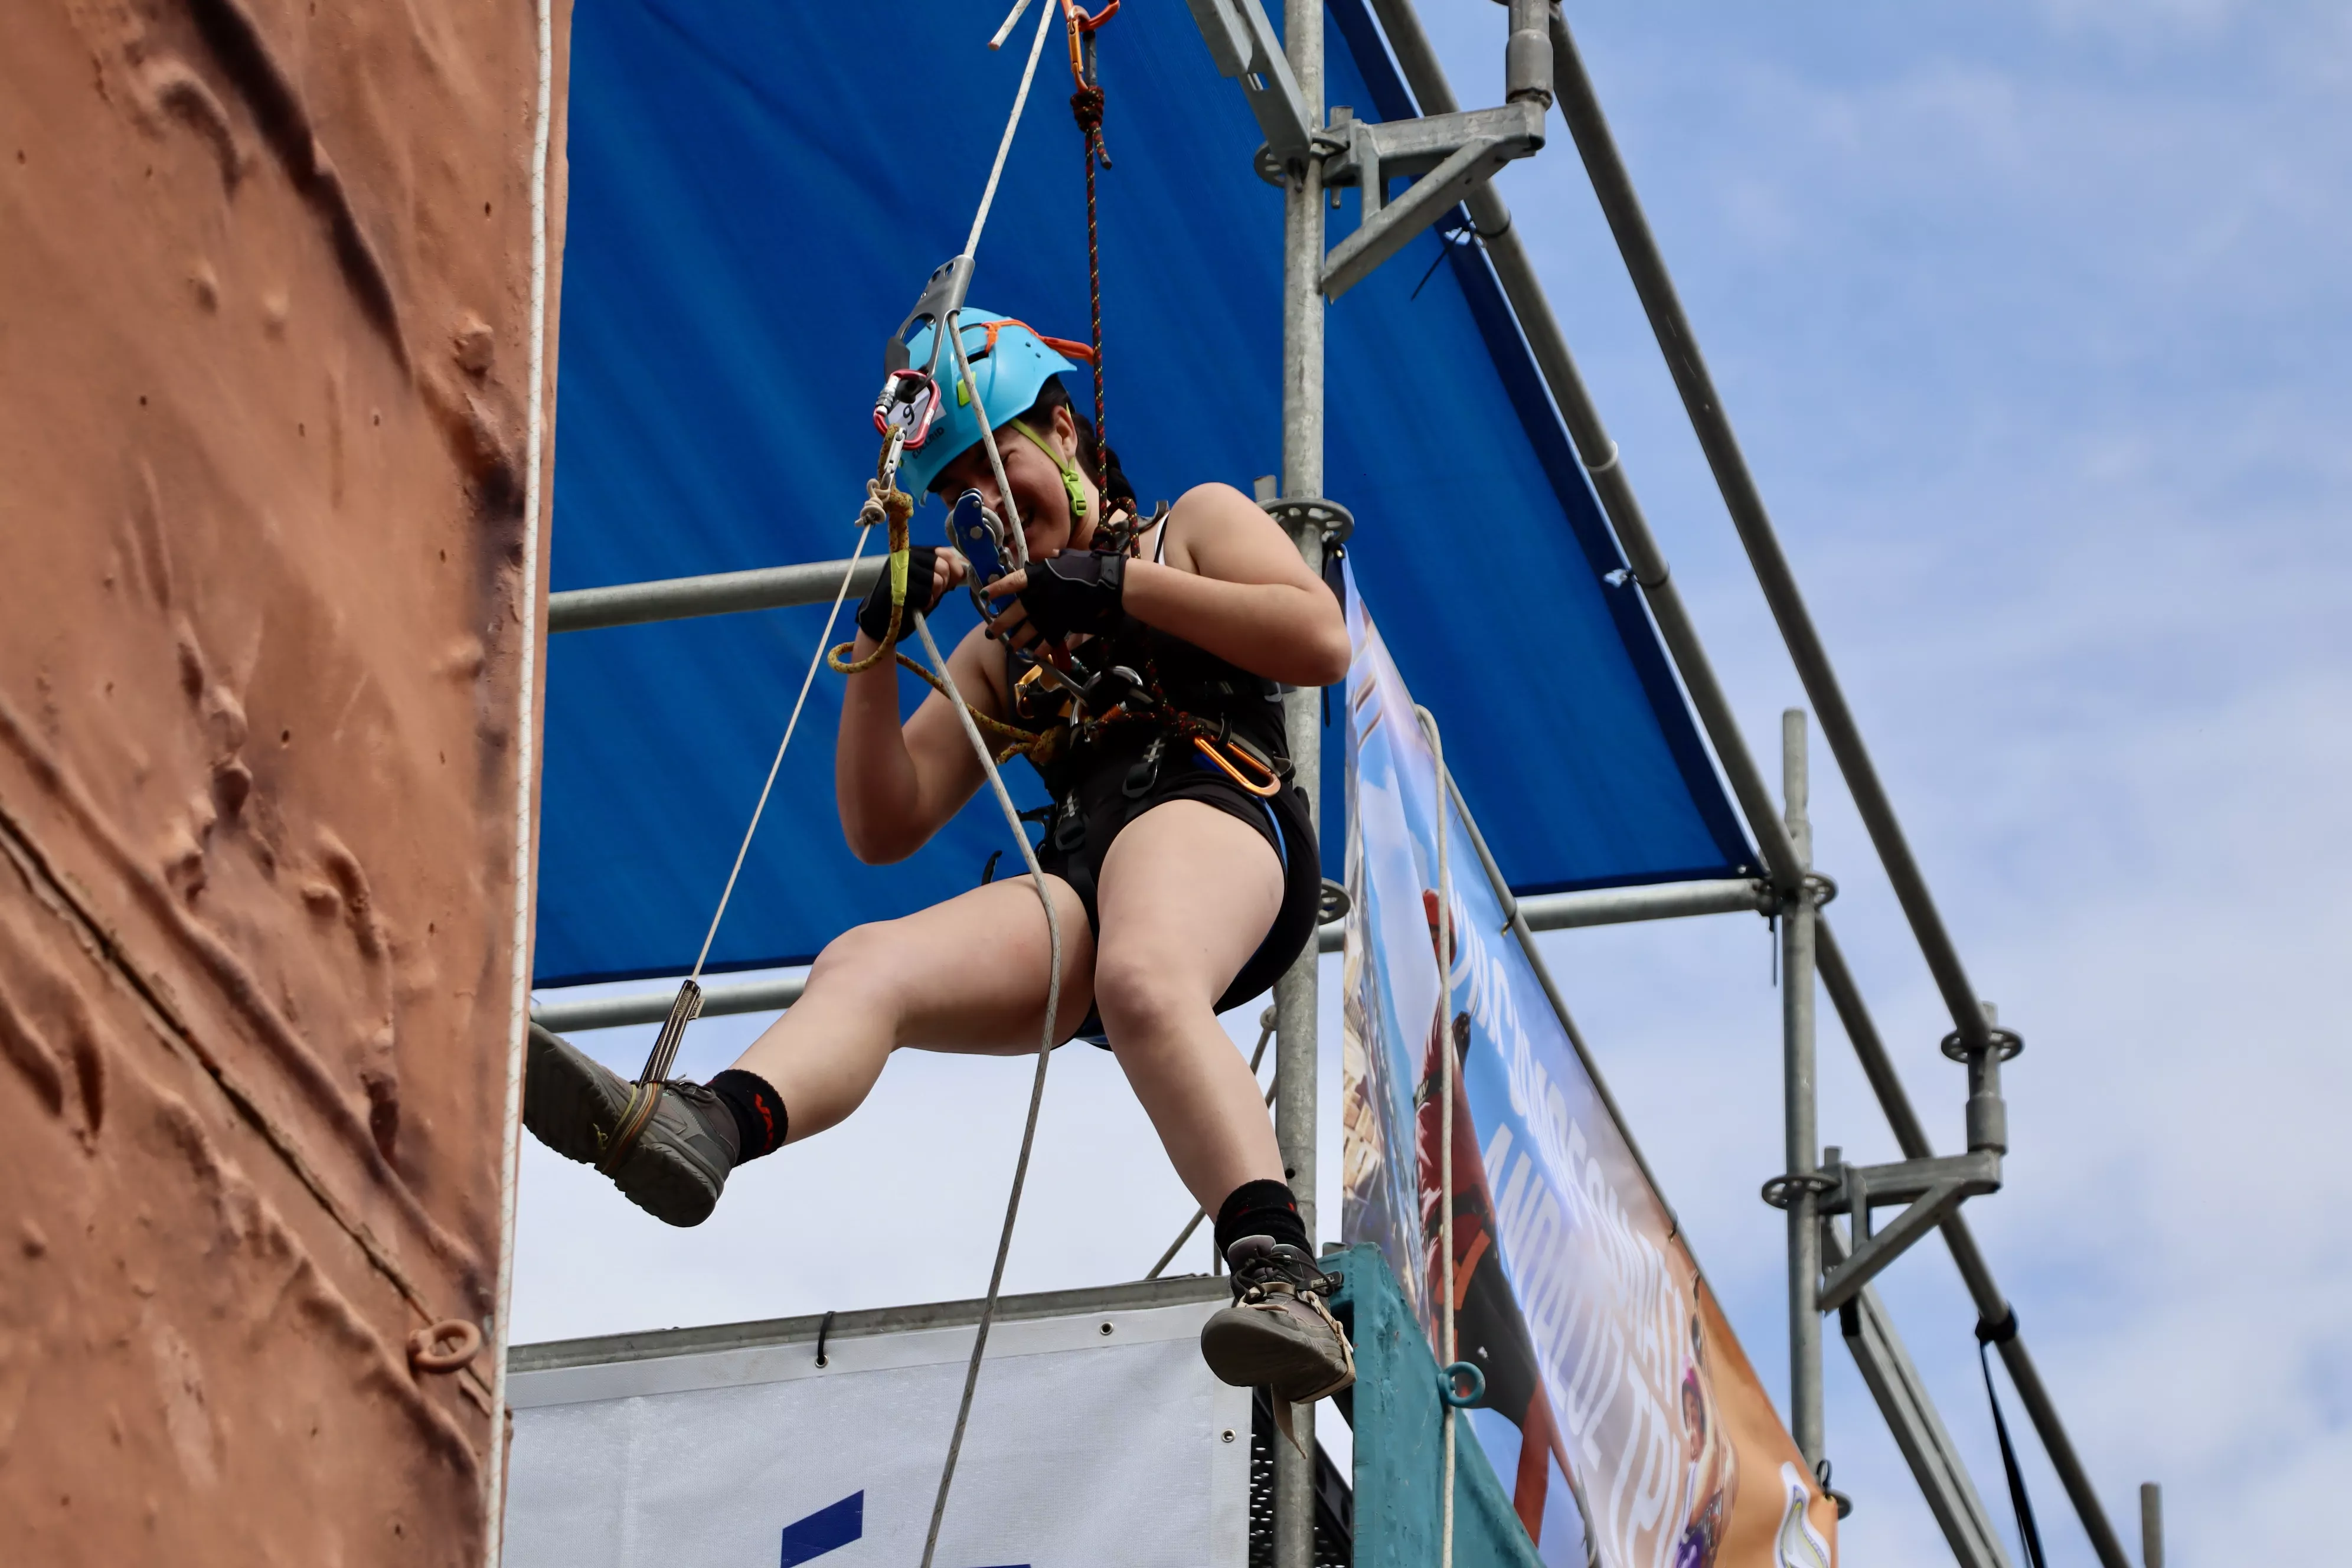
{"type": "Point", "coordinates": [758, 1111]}
{"type": "Point", "coordinates": [1261, 1208]}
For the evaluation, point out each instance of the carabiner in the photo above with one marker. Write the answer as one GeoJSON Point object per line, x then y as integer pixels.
{"type": "Point", "coordinates": [1267, 791]}
{"type": "Point", "coordinates": [910, 401]}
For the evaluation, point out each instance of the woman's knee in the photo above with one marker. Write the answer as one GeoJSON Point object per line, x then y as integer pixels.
{"type": "Point", "coordinates": [1139, 994]}
{"type": "Point", "coordinates": [861, 960]}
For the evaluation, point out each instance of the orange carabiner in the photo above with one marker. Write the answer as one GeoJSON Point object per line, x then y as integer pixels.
{"type": "Point", "coordinates": [1273, 785]}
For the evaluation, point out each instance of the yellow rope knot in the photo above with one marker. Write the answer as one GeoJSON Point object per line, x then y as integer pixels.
{"type": "Point", "coordinates": [888, 505]}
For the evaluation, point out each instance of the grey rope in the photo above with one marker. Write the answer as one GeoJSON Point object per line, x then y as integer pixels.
{"type": "Point", "coordinates": [824, 640]}
{"type": "Point", "coordinates": [953, 328]}
{"type": "Point", "coordinates": [1036, 1087]}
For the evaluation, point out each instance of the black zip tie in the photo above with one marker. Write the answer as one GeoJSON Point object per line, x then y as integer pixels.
{"type": "Point", "coordinates": [2028, 1534]}
{"type": "Point", "coordinates": [1459, 237]}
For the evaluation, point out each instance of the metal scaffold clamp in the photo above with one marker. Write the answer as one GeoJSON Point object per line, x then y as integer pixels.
{"type": "Point", "coordinates": [1445, 156]}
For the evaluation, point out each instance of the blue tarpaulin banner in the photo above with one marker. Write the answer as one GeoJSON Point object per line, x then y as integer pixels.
{"type": "Point", "coordinates": [1615, 1391]}
{"type": "Point", "coordinates": [757, 194]}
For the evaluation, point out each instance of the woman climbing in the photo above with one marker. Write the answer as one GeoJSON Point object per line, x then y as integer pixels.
{"type": "Point", "coordinates": [1180, 858]}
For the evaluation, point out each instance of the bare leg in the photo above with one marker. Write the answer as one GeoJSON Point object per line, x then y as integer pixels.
{"type": "Point", "coordinates": [1188, 893]}
{"type": "Point", "coordinates": [966, 975]}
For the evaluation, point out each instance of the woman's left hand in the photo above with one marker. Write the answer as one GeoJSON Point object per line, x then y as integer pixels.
{"type": "Point", "coordinates": [1066, 593]}
{"type": "Point", "coordinates": [1009, 624]}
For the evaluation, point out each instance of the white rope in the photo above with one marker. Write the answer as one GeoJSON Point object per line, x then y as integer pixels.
{"type": "Point", "coordinates": [1011, 17]}
{"type": "Point", "coordinates": [1444, 1124]}
{"type": "Point", "coordinates": [526, 767]}
{"type": "Point", "coordinates": [971, 245]}
{"type": "Point", "coordinates": [953, 328]}
{"type": "Point", "coordinates": [1004, 146]}
{"type": "Point", "coordinates": [1036, 1087]}
{"type": "Point", "coordinates": [823, 641]}
{"type": "Point", "coordinates": [1013, 534]}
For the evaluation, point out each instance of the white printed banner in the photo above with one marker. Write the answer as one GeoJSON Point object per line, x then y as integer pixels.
{"type": "Point", "coordinates": [1093, 1440]}
{"type": "Point", "coordinates": [1615, 1388]}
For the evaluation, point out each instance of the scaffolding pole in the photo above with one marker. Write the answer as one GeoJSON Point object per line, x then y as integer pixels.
{"type": "Point", "coordinates": [1435, 95]}
{"type": "Point", "coordinates": [1802, 1103]}
{"type": "Point", "coordinates": [1297, 995]}
{"type": "Point", "coordinates": [1646, 265]}
{"type": "Point", "coordinates": [1993, 1307]}
{"type": "Point", "coordinates": [1603, 463]}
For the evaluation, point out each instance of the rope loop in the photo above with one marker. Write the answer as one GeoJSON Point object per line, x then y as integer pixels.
{"type": "Point", "coordinates": [885, 503]}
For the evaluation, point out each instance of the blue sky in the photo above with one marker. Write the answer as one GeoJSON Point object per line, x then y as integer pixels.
{"type": "Point", "coordinates": [2033, 319]}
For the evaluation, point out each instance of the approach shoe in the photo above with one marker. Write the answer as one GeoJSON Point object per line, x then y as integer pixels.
{"type": "Point", "coordinates": [675, 1172]}
{"type": "Point", "coordinates": [1278, 1332]}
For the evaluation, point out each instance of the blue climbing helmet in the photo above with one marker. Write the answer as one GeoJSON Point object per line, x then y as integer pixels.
{"type": "Point", "coordinates": [1012, 362]}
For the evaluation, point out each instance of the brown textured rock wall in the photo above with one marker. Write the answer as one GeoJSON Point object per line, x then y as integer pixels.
{"type": "Point", "coordinates": [264, 323]}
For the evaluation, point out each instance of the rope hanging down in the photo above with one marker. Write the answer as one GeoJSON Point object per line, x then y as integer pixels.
{"type": "Point", "coordinates": [885, 503]}
{"type": "Point", "coordinates": [888, 505]}
{"type": "Point", "coordinates": [1086, 108]}
{"type": "Point", "coordinates": [645, 1093]}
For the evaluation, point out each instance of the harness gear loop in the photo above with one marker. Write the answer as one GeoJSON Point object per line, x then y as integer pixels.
{"type": "Point", "coordinates": [1273, 784]}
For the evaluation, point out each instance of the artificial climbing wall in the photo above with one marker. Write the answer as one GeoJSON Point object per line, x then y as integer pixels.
{"type": "Point", "coordinates": [265, 300]}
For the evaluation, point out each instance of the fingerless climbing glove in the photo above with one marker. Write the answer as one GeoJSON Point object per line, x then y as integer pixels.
{"type": "Point", "coordinates": [1075, 591]}
{"type": "Point", "coordinates": [873, 615]}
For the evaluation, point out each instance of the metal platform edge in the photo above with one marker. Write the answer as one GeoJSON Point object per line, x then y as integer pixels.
{"type": "Point", "coordinates": [652, 1345]}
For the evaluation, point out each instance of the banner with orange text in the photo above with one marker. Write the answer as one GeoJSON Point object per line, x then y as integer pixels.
{"type": "Point", "coordinates": [1617, 1398]}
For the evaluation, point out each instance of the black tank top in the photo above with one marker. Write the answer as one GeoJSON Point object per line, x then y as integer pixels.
{"type": "Point", "coordinates": [1238, 705]}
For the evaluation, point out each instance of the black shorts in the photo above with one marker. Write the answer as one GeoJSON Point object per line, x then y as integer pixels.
{"type": "Point", "coordinates": [1104, 810]}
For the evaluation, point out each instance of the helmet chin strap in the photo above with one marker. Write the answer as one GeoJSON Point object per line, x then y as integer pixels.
{"type": "Point", "coordinates": [1072, 480]}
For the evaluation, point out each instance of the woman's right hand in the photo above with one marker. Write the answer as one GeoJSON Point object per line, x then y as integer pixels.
{"type": "Point", "coordinates": [932, 574]}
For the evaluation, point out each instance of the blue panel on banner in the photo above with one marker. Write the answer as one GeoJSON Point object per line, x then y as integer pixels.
{"type": "Point", "coordinates": [826, 1530]}
{"type": "Point", "coordinates": [1397, 1424]}
{"type": "Point", "coordinates": [757, 193]}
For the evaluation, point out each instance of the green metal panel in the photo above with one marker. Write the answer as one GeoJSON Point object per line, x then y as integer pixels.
{"type": "Point", "coordinates": [1400, 1442]}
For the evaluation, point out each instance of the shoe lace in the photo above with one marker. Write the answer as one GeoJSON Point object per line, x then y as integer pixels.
{"type": "Point", "coordinates": [1286, 1267]}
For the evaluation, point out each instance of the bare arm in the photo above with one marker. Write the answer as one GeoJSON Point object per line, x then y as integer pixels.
{"type": "Point", "coordinates": [1235, 584]}
{"type": "Point", "coordinates": [895, 785]}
